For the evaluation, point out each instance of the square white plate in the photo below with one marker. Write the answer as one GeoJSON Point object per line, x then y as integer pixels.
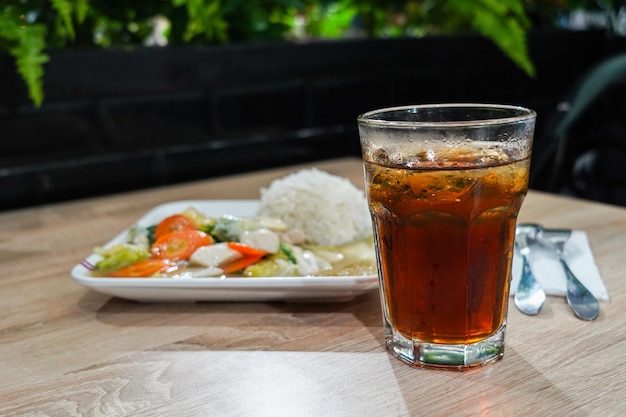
{"type": "Point", "coordinates": [302, 289]}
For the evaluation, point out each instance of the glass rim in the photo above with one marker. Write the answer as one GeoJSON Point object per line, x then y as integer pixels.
{"type": "Point", "coordinates": [524, 114]}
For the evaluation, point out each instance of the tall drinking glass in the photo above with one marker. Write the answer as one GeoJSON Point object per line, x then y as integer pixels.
{"type": "Point", "coordinates": [445, 184]}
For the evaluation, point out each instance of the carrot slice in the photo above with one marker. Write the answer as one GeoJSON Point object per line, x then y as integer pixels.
{"type": "Point", "coordinates": [250, 255]}
{"type": "Point", "coordinates": [241, 263]}
{"type": "Point", "coordinates": [245, 249]}
{"type": "Point", "coordinates": [179, 245]}
{"type": "Point", "coordinates": [142, 269]}
{"type": "Point", "coordinates": [173, 223]}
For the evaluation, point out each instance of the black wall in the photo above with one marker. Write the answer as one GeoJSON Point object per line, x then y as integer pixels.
{"type": "Point", "coordinates": [116, 120]}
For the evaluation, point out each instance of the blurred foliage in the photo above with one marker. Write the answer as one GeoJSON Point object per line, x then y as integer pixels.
{"type": "Point", "coordinates": [29, 27]}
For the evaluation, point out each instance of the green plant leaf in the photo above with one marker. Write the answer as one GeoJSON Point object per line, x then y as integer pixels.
{"type": "Point", "coordinates": [81, 8]}
{"type": "Point", "coordinates": [504, 22]}
{"type": "Point", "coordinates": [64, 9]}
{"type": "Point", "coordinates": [9, 26]}
{"type": "Point", "coordinates": [331, 20]}
{"type": "Point", "coordinates": [27, 43]}
{"type": "Point", "coordinates": [29, 59]}
{"type": "Point", "coordinates": [204, 18]}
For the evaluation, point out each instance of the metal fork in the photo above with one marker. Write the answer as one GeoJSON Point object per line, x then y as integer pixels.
{"type": "Point", "coordinates": [582, 302]}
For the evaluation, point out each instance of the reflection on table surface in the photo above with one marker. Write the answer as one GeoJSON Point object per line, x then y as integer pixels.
{"type": "Point", "coordinates": [68, 350]}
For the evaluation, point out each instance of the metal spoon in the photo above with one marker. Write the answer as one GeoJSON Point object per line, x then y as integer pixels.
{"type": "Point", "coordinates": [529, 296]}
{"type": "Point", "coordinates": [582, 302]}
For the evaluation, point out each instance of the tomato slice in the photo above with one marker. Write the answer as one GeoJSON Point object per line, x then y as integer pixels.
{"type": "Point", "coordinates": [179, 245]}
{"type": "Point", "coordinates": [173, 223]}
{"type": "Point", "coordinates": [142, 269]}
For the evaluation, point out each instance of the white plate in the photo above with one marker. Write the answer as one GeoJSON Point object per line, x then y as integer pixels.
{"type": "Point", "coordinates": [303, 289]}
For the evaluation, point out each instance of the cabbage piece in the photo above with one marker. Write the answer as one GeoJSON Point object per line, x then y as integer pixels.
{"type": "Point", "coordinates": [119, 256]}
{"type": "Point", "coordinates": [272, 266]}
{"type": "Point", "coordinates": [140, 236]}
{"type": "Point", "coordinates": [229, 228]}
{"type": "Point", "coordinates": [202, 221]}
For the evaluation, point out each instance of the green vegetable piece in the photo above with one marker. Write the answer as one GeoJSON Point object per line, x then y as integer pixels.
{"type": "Point", "coordinates": [141, 236]}
{"type": "Point", "coordinates": [288, 253]}
{"type": "Point", "coordinates": [150, 230]}
{"type": "Point", "coordinates": [119, 256]}
{"type": "Point", "coordinates": [208, 229]}
{"type": "Point", "coordinates": [227, 229]}
{"type": "Point", "coordinates": [273, 266]}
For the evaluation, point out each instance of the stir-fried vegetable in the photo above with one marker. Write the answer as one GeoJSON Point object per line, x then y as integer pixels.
{"type": "Point", "coordinates": [249, 256]}
{"type": "Point", "coordinates": [246, 250]}
{"type": "Point", "coordinates": [273, 266]}
{"type": "Point", "coordinates": [143, 269]}
{"type": "Point", "coordinates": [288, 253]}
{"type": "Point", "coordinates": [120, 256]}
{"type": "Point", "coordinates": [191, 244]}
{"type": "Point", "coordinates": [174, 223]}
{"type": "Point", "coordinates": [226, 228]}
{"type": "Point", "coordinates": [179, 245]}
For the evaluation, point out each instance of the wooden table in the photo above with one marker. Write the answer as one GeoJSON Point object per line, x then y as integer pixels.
{"type": "Point", "coordinates": [69, 351]}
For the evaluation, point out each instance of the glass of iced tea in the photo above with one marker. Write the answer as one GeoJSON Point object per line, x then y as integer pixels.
{"type": "Point", "coordinates": [445, 184]}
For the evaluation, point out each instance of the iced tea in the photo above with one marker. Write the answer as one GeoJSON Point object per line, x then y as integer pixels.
{"type": "Point", "coordinates": [445, 183]}
{"type": "Point", "coordinates": [445, 237]}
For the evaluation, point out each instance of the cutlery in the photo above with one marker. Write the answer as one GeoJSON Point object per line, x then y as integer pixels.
{"type": "Point", "coordinates": [582, 302]}
{"type": "Point", "coordinates": [529, 296]}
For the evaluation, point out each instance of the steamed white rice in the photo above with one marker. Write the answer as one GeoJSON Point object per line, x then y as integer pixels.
{"type": "Point", "coordinates": [329, 209]}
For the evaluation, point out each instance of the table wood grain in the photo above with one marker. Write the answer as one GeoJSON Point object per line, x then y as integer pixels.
{"type": "Point", "coordinates": [69, 351]}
